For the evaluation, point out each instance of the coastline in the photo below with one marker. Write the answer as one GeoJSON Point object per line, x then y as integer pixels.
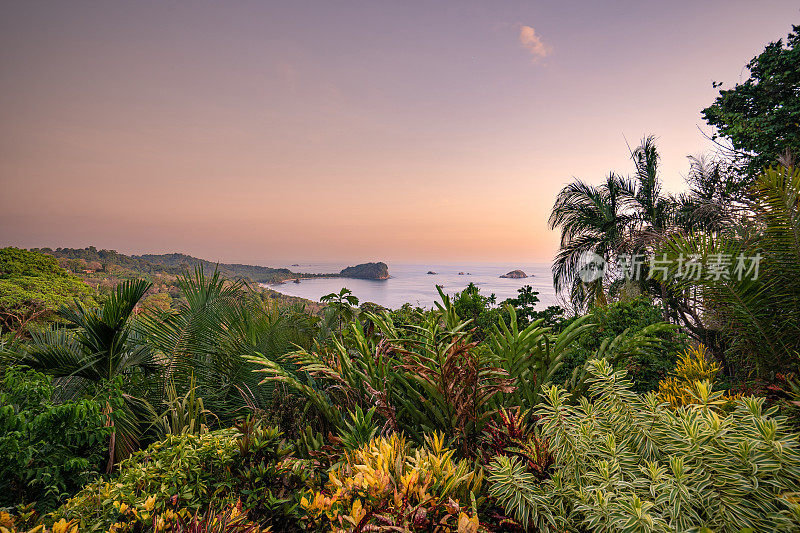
{"type": "Point", "coordinates": [322, 276]}
{"type": "Point", "coordinates": [410, 283]}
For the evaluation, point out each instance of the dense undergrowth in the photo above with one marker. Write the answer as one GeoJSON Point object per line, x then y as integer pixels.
{"type": "Point", "coordinates": [381, 425]}
{"type": "Point", "coordinates": [231, 414]}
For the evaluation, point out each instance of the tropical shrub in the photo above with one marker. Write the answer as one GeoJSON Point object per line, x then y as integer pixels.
{"type": "Point", "coordinates": [532, 356]}
{"type": "Point", "coordinates": [786, 393]}
{"type": "Point", "coordinates": [623, 462]}
{"type": "Point", "coordinates": [646, 365]}
{"type": "Point", "coordinates": [249, 466]}
{"type": "Point", "coordinates": [230, 520]}
{"type": "Point", "coordinates": [516, 434]}
{"type": "Point", "coordinates": [47, 450]}
{"type": "Point", "coordinates": [388, 485]}
{"type": "Point", "coordinates": [435, 377]}
{"type": "Point", "coordinates": [359, 430]}
{"type": "Point", "coordinates": [15, 524]}
{"type": "Point", "coordinates": [692, 376]}
{"type": "Point", "coordinates": [392, 369]}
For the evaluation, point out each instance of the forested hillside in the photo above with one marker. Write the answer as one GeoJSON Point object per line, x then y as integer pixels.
{"type": "Point", "coordinates": [174, 263]}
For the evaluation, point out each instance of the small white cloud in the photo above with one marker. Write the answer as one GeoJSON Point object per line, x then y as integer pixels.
{"type": "Point", "coordinates": [533, 43]}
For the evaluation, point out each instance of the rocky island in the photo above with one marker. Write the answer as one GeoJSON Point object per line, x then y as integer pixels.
{"type": "Point", "coordinates": [366, 271]}
{"type": "Point", "coordinates": [515, 274]}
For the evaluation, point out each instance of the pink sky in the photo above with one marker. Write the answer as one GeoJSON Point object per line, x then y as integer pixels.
{"type": "Point", "coordinates": [269, 132]}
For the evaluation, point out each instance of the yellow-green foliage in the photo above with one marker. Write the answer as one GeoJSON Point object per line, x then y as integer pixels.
{"type": "Point", "coordinates": [691, 382]}
{"type": "Point", "coordinates": [625, 463]}
{"type": "Point", "coordinates": [179, 465]}
{"type": "Point", "coordinates": [8, 524]}
{"type": "Point", "coordinates": [186, 476]}
{"type": "Point", "coordinates": [230, 520]}
{"type": "Point", "coordinates": [22, 523]}
{"type": "Point", "coordinates": [387, 483]}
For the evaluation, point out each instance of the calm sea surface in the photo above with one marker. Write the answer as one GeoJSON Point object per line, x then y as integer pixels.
{"type": "Point", "coordinates": [410, 283]}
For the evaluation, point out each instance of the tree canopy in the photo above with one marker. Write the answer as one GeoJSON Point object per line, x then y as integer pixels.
{"type": "Point", "coordinates": [33, 287]}
{"type": "Point", "coordinates": [761, 116]}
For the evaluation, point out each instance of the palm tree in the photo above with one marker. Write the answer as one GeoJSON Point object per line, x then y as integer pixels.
{"type": "Point", "coordinates": [188, 339]}
{"type": "Point", "coordinates": [715, 202]}
{"type": "Point", "coordinates": [100, 354]}
{"type": "Point", "coordinates": [761, 314]}
{"type": "Point", "coordinates": [592, 219]}
{"type": "Point", "coordinates": [340, 307]}
{"type": "Point", "coordinates": [654, 212]}
{"type": "Point", "coordinates": [621, 216]}
{"type": "Point", "coordinates": [208, 337]}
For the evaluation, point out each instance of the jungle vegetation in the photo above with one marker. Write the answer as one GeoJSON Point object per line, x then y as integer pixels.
{"type": "Point", "coordinates": [657, 402]}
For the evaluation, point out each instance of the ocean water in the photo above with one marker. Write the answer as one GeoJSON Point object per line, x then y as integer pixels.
{"type": "Point", "coordinates": [410, 283]}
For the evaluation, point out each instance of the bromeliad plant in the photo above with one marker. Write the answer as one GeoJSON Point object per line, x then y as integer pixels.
{"type": "Point", "coordinates": [623, 462]}
{"type": "Point", "coordinates": [388, 485]}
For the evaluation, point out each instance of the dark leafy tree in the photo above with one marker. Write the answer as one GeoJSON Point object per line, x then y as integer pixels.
{"type": "Point", "coordinates": [524, 305]}
{"type": "Point", "coordinates": [48, 450]}
{"type": "Point", "coordinates": [760, 117]}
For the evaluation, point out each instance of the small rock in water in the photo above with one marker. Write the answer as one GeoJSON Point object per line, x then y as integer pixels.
{"type": "Point", "coordinates": [515, 274]}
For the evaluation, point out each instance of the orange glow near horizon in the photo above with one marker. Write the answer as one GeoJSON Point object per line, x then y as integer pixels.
{"type": "Point", "coordinates": [262, 133]}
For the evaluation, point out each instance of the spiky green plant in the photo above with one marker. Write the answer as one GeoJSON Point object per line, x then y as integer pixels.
{"type": "Point", "coordinates": [531, 355]}
{"type": "Point", "coordinates": [184, 414]}
{"type": "Point", "coordinates": [359, 430]}
{"type": "Point", "coordinates": [209, 336]}
{"type": "Point", "coordinates": [624, 462]}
